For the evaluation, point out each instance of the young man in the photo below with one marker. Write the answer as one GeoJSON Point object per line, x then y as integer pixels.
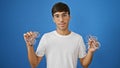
{"type": "Point", "coordinates": [61, 47]}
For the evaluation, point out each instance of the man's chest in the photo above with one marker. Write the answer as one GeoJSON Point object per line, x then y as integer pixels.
{"type": "Point", "coordinates": [62, 46]}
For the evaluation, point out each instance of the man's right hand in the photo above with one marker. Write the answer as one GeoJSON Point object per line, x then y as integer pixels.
{"type": "Point", "coordinates": [29, 38]}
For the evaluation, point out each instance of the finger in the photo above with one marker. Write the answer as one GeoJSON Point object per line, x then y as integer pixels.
{"type": "Point", "coordinates": [29, 34]}
{"type": "Point", "coordinates": [26, 35]}
{"type": "Point", "coordinates": [97, 44]}
{"type": "Point", "coordinates": [94, 43]}
{"type": "Point", "coordinates": [90, 43]}
{"type": "Point", "coordinates": [93, 39]}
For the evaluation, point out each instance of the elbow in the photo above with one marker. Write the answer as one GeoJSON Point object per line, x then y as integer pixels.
{"type": "Point", "coordinates": [33, 65]}
{"type": "Point", "coordinates": [33, 61]}
{"type": "Point", "coordinates": [85, 65]}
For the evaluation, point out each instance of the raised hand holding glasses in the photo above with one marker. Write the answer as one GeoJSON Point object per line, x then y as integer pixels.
{"type": "Point", "coordinates": [30, 37]}
{"type": "Point", "coordinates": [93, 42]}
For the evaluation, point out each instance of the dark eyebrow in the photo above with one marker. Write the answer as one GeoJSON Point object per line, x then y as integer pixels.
{"type": "Point", "coordinates": [55, 14]}
{"type": "Point", "coordinates": [65, 12]}
{"type": "Point", "coordinates": [62, 13]}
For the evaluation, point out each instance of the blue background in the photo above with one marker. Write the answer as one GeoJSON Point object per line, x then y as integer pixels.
{"type": "Point", "coordinates": [96, 17]}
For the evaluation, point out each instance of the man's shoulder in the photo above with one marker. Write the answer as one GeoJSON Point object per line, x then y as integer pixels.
{"type": "Point", "coordinates": [76, 34]}
{"type": "Point", "coordinates": [49, 33]}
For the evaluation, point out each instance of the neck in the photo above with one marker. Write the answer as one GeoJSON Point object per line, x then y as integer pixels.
{"type": "Point", "coordinates": [63, 32]}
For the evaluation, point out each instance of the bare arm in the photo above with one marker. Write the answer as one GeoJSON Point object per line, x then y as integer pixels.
{"type": "Point", "coordinates": [33, 58]}
{"type": "Point", "coordinates": [87, 59]}
{"type": "Point", "coordinates": [94, 44]}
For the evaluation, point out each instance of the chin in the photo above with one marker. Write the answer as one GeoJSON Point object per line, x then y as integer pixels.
{"type": "Point", "coordinates": [63, 28]}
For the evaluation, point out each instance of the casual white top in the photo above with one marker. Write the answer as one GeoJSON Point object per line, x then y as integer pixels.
{"type": "Point", "coordinates": [61, 51]}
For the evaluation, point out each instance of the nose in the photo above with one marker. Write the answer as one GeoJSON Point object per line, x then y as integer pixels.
{"type": "Point", "coordinates": [61, 18]}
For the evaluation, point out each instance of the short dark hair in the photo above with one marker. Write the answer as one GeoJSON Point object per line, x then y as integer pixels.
{"type": "Point", "coordinates": [60, 7]}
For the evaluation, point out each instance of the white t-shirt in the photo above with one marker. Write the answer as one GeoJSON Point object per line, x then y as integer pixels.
{"type": "Point", "coordinates": [61, 51]}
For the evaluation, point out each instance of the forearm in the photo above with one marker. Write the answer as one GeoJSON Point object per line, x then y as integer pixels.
{"type": "Point", "coordinates": [29, 38]}
{"type": "Point", "coordinates": [32, 56]}
{"type": "Point", "coordinates": [87, 60]}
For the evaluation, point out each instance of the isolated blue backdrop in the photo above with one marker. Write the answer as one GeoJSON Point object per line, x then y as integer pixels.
{"type": "Point", "coordinates": [96, 17]}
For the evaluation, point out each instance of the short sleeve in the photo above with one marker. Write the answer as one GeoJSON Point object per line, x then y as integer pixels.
{"type": "Point", "coordinates": [42, 46]}
{"type": "Point", "coordinates": [82, 48]}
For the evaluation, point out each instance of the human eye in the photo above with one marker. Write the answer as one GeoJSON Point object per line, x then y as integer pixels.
{"type": "Point", "coordinates": [65, 15]}
{"type": "Point", "coordinates": [56, 16]}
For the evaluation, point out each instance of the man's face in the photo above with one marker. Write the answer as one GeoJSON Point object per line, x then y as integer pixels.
{"type": "Point", "coordinates": [61, 20]}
